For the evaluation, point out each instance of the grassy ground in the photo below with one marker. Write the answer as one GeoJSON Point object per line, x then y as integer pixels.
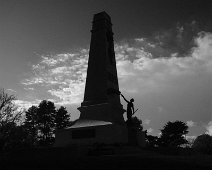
{"type": "Point", "coordinates": [102, 159]}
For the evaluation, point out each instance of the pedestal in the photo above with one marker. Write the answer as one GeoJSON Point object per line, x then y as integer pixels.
{"type": "Point", "coordinates": [90, 132]}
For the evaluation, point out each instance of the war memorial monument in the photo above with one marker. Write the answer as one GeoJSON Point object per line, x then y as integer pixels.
{"type": "Point", "coordinates": [101, 112]}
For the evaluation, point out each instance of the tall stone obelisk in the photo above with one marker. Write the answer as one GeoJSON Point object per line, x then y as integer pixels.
{"type": "Point", "coordinates": [101, 102]}
{"type": "Point", "coordinates": [101, 113]}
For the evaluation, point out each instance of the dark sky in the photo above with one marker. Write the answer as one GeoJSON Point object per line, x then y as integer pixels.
{"type": "Point", "coordinates": [48, 26]}
{"type": "Point", "coordinates": [31, 30]}
{"type": "Point", "coordinates": [41, 25]}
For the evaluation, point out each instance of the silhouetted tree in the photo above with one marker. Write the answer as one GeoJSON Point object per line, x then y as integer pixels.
{"type": "Point", "coordinates": [31, 124]}
{"type": "Point", "coordinates": [13, 137]}
{"type": "Point", "coordinates": [152, 141]}
{"type": "Point", "coordinates": [173, 134]}
{"type": "Point", "coordinates": [203, 143]}
{"type": "Point", "coordinates": [9, 117]}
{"type": "Point", "coordinates": [8, 110]}
{"type": "Point", "coordinates": [137, 123]}
{"type": "Point", "coordinates": [46, 122]}
{"type": "Point", "coordinates": [62, 118]}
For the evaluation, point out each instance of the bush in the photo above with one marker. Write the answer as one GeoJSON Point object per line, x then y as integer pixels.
{"type": "Point", "coordinates": [203, 144]}
{"type": "Point", "coordinates": [173, 134]}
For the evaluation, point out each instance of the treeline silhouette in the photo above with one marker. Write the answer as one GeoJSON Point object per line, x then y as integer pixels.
{"type": "Point", "coordinates": [36, 129]}
{"type": "Point", "coordinates": [36, 126]}
{"type": "Point", "coordinates": [172, 135]}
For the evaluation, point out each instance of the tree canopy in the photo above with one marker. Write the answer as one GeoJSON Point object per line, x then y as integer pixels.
{"type": "Point", "coordinates": [203, 143]}
{"type": "Point", "coordinates": [31, 124]}
{"type": "Point", "coordinates": [41, 122]}
{"type": "Point", "coordinates": [9, 117]}
{"type": "Point", "coordinates": [62, 118]}
{"type": "Point", "coordinates": [173, 134]}
{"type": "Point", "coordinates": [45, 121]}
{"type": "Point", "coordinates": [8, 110]}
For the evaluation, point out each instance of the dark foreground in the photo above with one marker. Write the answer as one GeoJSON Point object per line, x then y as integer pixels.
{"type": "Point", "coordinates": [106, 159]}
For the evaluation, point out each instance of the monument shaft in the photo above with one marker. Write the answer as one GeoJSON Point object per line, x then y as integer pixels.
{"type": "Point", "coordinates": [102, 75]}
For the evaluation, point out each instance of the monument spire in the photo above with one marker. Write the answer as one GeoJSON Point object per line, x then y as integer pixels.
{"type": "Point", "coordinates": [101, 73]}
{"type": "Point", "coordinates": [102, 80]}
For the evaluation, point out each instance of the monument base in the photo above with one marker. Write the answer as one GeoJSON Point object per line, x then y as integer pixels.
{"type": "Point", "coordinates": [90, 132]}
{"type": "Point", "coordinates": [136, 135]}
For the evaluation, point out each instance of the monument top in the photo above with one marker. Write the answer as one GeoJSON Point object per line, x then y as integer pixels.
{"type": "Point", "coordinates": [101, 15]}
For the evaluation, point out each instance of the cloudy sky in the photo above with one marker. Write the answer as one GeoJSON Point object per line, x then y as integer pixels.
{"type": "Point", "coordinates": [163, 52]}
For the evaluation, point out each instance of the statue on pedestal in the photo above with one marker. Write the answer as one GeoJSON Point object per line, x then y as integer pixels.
{"type": "Point", "coordinates": [130, 107]}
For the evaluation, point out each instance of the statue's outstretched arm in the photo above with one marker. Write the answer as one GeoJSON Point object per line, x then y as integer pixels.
{"type": "Point", "coordinates": [124, 98]}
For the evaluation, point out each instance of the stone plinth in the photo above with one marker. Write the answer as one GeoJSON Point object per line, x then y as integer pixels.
{"type": "Point", "coordinates": [103, 112]}
{"type": "Point", "coordinates": [136, 135]}
{"type": "Point", "coordinates": [90, 132]}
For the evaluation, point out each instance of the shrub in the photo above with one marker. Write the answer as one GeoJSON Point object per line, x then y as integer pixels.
{"type": "Point", "coordinates": [203, 143]}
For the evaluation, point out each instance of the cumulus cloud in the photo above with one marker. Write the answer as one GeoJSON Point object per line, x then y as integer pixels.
{"type": "Point", "coordinates": [190, 138]}
{"type": "Point", "coordinates": [29, 88]}
{"type": "Point", "coordinates": [150, 130]}
{"type": "Point", "coordinates": [178, 39]}
{"type": "Point", "coordinates": [26, 104]}
{"type": "Point", "coordinates": [11, 90]}
{"type": "Point", "coordinates": [209, 128]}
{"type": "Point", "coordinates": [179, 86]}
{"type": "Point", "coordinates": [190, 123]}
{"type": "Point", "coordinates": [147, 121]}
{"type": "Point", "coordinates": [166, 85]}
{"type": "Point", "coordinates": [62, 76]}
